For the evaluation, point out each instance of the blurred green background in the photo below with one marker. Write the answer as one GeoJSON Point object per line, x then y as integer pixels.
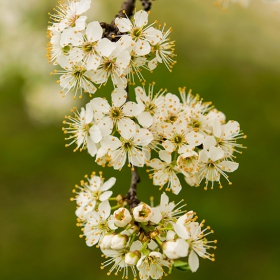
{"type": "Point", "coordinates": [230, 58]}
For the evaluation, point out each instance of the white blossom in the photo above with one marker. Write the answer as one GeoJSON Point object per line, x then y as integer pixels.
{"type": "Point", "coordinates": [69, 15]}
{"type": "Point", "coordinates": [122, 217]}
{"type": "Point", "coordinates": [141, 37]}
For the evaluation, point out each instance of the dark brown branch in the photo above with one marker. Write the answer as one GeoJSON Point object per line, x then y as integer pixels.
{"type": "Point", "coordinates": [110, 30]}
{"type": "Point", "coordinates": [131, 195]}
{"type": "Point", "coordinates": [146, 5]}
{"type": "Point", "coordinates": [128, 7]}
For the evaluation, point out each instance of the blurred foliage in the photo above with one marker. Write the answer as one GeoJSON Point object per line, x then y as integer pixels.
{"type": "Point", "coordinates": [230, 58]}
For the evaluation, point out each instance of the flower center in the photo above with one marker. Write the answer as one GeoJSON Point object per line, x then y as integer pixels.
{"type": "Point", "coordinates": [120, 216]}
{"type": "Point", "coordinates": [109, 65]}
{"type": "Point", "coordinates": [66, 49]}
{"type": "Point", "coordinates": [195, 124]}
{"type": "Point", "coordinates": [172, 118]}
{"type": "Point", "coordinates": [88, 47]}
{"type": "Point", "coordinates": [144, 212]}
{"type": "Point", "coordinates": [116, 113]}
{"type": "Point", "coordinates": [72, 21]}
{"type": "Point", "coordinates": [96, 194]}
{"type": "Point", "coordinates": [78, 72]}
{"type": "Point", "coordinates": [127, 145]}
{"type": "Point", "coordinates": [151, 108]}
{"type": "Point", "coordinates": [136, 33]}
{"type": "Point", "coordinates": [178, 139]}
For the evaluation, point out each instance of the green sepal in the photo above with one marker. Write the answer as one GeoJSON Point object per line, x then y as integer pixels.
{"type": "Point", "coordinates": [183, 266]}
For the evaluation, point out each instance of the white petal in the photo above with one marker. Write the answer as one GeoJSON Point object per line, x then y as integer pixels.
{"type": "Point", "coordinates": [168, 146]}
{"type": "Point", "coordinates": [193, 261]}
{"type": "Point", "coordinates": [95, 134]}
{"type": "Point", "coordinates": [217, 128]}
{"type": "Point", "coordinates": [104, 209]}
{"type": "Point", "coordinates": [123, 60]}
{"type": "Point", "coordinates": [208, 142]}
{"type": "Point", "coordinates": [82, 6]}
{"type": "Point", "coordinates": [119, 158]}
{"type": "Point", "coordinates": [182, 247]}
{"type": "Point", "coordinates": [181, 231]}
{"type": "Point", "coordinates": [100, 105]}
{"type": "Point", "coordinates": [142, 47]}
{"type": "Point", "coordinates": [94, 31]}
{"type": "Point", "coordinates": [88, 113]}
{"type": "Point", "coordinates": [136, 157]}
{"type": "Point", "coordinates": [153, 64]}
{"type": "Point", "coordinates": [136, 245]}
{"type": "Point", "coordinates": [203, 156]}
{"type": "Point", "coordinates": [92, 62]}
{"type": "Point", "coordinates": [64, 62]}
{"type": "Point", "coordinates": [170, 235]}
{"type": "Point", "coordinates": [87, 85]}
{"type": "Point", "coordinates": [141, 18]}
{"type": "Point", "coordinates": [126, 128]}
{"type": "Point", "coordinates": [91, 147]}
{"type": "Point", "coordinates": [105, 196]}
{"type": "Point", "coordinates": [194, 138]}
{"type": "Point", "coordinates": [119, 97]}
{"type": "Point", "coordinates": [229, 166]}
{"type": "Point", "coordinates": [156, 217]}
{"type": "Point", "coordinates": [216, 153]}
{"type": "Point", "coordinates": [231, 128]}
{"type": "Point", "coordinates": [165, 156]}
{"type": "Point", "coordinates": [145, 119]}
{"type": "Point", "coordinates": [143, 137]}
{"type": "Point", "coordinates": [140, 93]}
{"type": "Point", "coordinates": [108, 184]}
{"type": "Point", "coordinates": [152, 245]}
{"type": "Point", "coordinates": [123, 24]}
{"type": "Point", "coordinates": [153, 35]}
{"type": "Point", "coordinates": [110, 143]}
{"type": "Point", "coordinates": [131, 109]}
{"type": "Point", "coordinates": [106, 126]}
{"type": "Point", "coordinates": [164, 199]}
{"type": "Point", "coordinates": [105, 47]}
{"type": "Point", "coordinates": [80, 23]}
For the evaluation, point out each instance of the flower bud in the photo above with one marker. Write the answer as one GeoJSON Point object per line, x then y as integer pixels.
{"type": "Point", "coordinates": [142, 213]}
{"type": "Point", "coordinates": [170, 235]}
{"type": "Point", "coordinates": [119, 241]}
{"type": "Point", "coordinates": [176, 249]}
{"type": "Point", "coordinates": [131, 258]}
{"type": "Point", "coordinates": [122, 217]}
{"type": "Point", "coordinates": [169, 249]}
{"type": "Point", "coordinates": [106, 241]}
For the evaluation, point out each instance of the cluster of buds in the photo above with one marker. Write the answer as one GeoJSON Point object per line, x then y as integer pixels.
{"type": "Point", "coordinates": [188, 136]}
{"type": "Point", "coordinates": [88, 58]}
{"type": "Point", "coordinates": [149, 241]}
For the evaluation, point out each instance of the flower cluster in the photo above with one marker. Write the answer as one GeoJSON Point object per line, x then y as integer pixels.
{"type": "Point", "coordinates": [175, 138]}
{"type": "Point", "coordinates": [146, 240]}
{"type": "Point", "coordinates": [169, 135]}
{"type": "Point", "coordinates": [89, 59]}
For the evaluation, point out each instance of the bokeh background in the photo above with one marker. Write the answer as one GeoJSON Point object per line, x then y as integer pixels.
{"type": "Point", "coordinates": [229, 57]}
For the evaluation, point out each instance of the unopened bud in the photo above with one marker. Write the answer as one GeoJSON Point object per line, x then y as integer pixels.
{"type": "Point", "coordinates": [119, 241]}
{"type": "Point", "coordinates": [132, 258]}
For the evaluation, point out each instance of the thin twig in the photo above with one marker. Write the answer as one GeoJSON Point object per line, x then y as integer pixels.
{"type": "Point", "coordinates": [131, 195]}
